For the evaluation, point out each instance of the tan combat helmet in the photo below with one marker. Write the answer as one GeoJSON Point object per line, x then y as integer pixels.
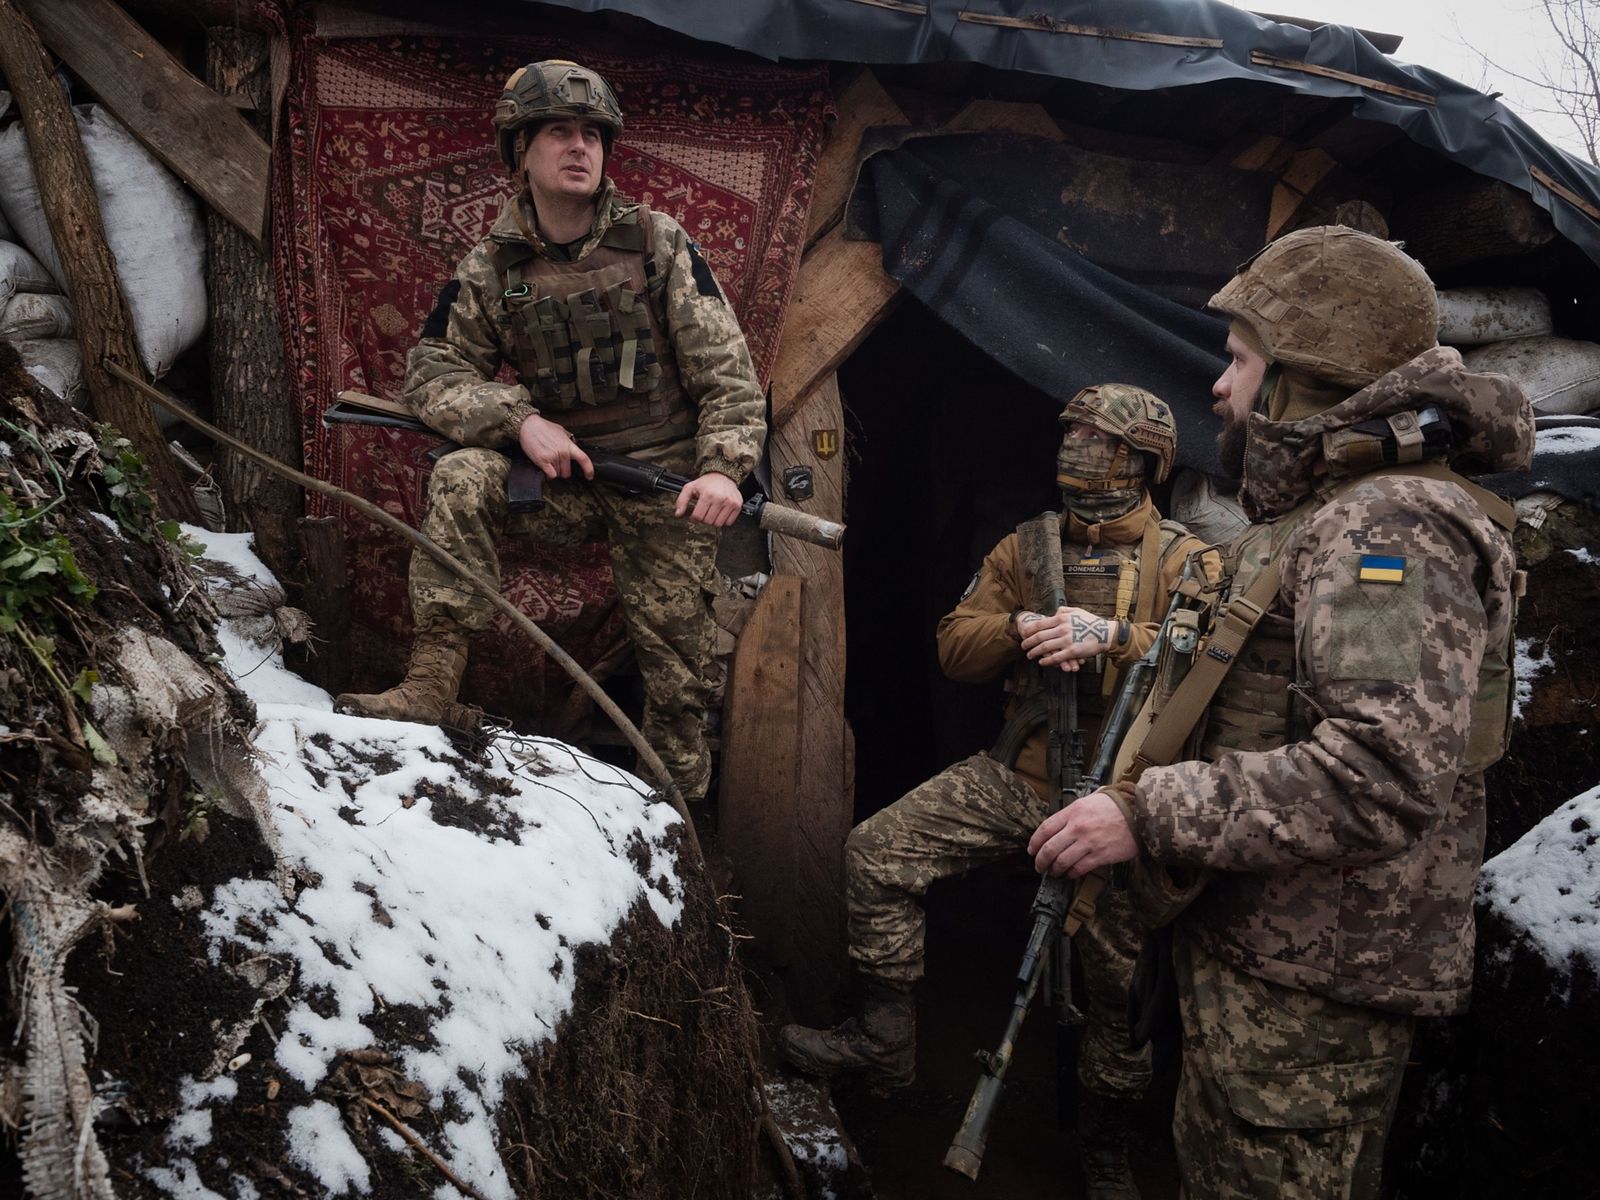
{"type": "Point", "coordinates": [1143, 422]}
{"type": "Point", "coordinates": [1344, 305]}
{"type": "Point", "coordinates": [554, 89]}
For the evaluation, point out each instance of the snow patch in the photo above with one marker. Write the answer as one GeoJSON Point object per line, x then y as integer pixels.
{"type": "Point", "coordinates": [1547, 883]}
{"type": "Point", "coordinates": [1574, 439]}
{"type": "Point", "coordinates": [463, 889]}
{"type": "Point", "coordinates": [1528, 668]}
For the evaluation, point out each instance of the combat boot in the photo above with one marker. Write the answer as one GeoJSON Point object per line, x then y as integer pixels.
{"type": "Point", "coordinates": [880, 1041]}
{"type": "Point", "coordinates": [1103, 1126]}
{"type": "Point", "coordinates": [438, 660]}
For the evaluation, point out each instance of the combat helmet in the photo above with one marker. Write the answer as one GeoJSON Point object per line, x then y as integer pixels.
{"type": "Point", "coordinates": [1344, 305]}
{"type": "Point", "coordinates": [1142, 421]}
{"type": "Point", "coordinates": [554, 89]}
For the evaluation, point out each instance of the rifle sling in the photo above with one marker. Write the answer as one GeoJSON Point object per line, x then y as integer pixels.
{"type": "Point", "coordinates": [1177, 720]}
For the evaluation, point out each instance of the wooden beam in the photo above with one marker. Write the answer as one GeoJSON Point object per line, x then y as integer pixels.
{"type": "Point", "coordinates": [250, 388]}
{"type": "Point", "coordinates": [208, 13]}
{"type": "Point", "coordinates": [195, 132]}
{"type": "Point", "coordinates": [66, 188]}
{"type": "Point", "coordinates": [1001, 116]}
{"type": "Point", "coordinates": [862, 104]}
{"type": "Point", "coordinates": [840, 295]}
{"type": "Point", "coordinates": [1045, 23]}
{"type": "Point", "coordinates": [1299, 180]}
{"type": "Point", "coordinates": [824, 790]}
{"type": "Point", "coordinates": [761, 763]}
{"type": "Point", "coordinates": [1262, 59]}
{"type": "Point", "coordinates": [1468, 221]}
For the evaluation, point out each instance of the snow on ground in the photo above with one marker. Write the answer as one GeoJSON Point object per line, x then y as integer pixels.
{"type": "Point", "coordinates": [1571, 439]}
{"type": "Point", "coordinates": [472, 911]}
{"type": "Point", "coordinates": [1548, 883]}
{"type": "Point", "coordinates": [1527, 669]}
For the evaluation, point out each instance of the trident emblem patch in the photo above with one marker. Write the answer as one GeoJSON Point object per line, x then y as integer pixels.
{"type": "Point", "coordinates": [825, 442]}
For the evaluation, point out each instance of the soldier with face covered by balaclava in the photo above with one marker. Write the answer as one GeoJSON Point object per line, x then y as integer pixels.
{"type": "Point", "coordinates": [1120, 561]}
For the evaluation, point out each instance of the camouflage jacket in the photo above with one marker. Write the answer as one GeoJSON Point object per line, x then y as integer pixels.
{"type": "Point", "coordinates": [1347, 859]}
{"type": "Point", "coordinates": [977, 641]}
{"type": "Point", "coordinates": [450, 374]}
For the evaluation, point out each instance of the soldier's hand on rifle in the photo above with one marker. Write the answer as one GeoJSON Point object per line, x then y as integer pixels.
{"type": "Point", "coordinates": [1089, 833]}
{"type": "Point", "coordinates": [1065, 638]}
{"type": "Point", "coordinates": [551, 448]}
{"type": "Point", "coordinates": [715, 497]}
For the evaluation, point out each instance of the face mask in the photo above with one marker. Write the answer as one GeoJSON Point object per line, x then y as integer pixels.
{"type": "Point", "coordinates": [1099, 477]}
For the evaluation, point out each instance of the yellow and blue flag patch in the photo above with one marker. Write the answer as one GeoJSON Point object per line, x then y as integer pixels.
{"type": "Point", "coordinates": [1382, 568]}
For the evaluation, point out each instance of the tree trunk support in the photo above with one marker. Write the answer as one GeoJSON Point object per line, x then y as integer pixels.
{"type": "Point", "coordinates": [105, 330]}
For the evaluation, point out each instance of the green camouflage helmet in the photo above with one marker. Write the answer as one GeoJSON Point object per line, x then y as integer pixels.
{"type": "Point", "coordinates": [1344, 305]}
{"type": "Point", "coordinates": [554, 89]}
{"type": "Point", "coordinates": [1139, 418]}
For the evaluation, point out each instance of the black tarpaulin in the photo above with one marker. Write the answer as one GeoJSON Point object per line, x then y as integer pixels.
{"type": "Point", "coordinates": [1143, 45]}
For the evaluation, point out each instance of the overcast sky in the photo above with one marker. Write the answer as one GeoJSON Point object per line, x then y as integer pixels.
{"type": "Point", "coordinates": [1446, 35]}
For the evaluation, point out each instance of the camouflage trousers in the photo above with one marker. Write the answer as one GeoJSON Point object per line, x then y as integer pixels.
{"type": "Point", "coordinates": [1283, 1094]}
{"type": "Point", "coordinates": [976, 812]}
{"type": "Point", "coordinates": [663, 568]}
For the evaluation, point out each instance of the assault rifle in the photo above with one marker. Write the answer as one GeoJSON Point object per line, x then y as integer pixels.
{"type": "Point", "coordinates": [525, 484]}
{"type": "Point", "coordinates": [1051, 903]}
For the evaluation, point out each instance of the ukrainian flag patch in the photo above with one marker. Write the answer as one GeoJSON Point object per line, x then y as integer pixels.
{"type": "Point", "coordinates": [1382, 568]}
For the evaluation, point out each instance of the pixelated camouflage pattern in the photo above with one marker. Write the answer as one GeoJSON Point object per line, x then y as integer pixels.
{"type": "Point", "coordinates": [1350, 856]}
{"type": "Point", "coordinates": [663, 567]}
{"type": "Point", "coordinates": [1342, 304]}
{"type": "Point", "coordinates": [1284, 1095]}
{"type": "Point", "coordinates": [970, 814]}
{"type": "Point", "coordinates": [450, 380]}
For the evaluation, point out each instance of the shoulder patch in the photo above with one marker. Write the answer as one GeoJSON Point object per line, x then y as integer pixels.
{"type": "Point", "coordinates": [703, 279]}
{"type": "Point", "coordinates": [439, 319]}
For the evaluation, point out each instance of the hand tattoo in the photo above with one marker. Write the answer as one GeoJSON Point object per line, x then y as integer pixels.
{"type": "Point", "coordinates": [1090, 629]}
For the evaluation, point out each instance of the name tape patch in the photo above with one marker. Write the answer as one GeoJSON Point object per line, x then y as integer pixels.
{"type": "Point", "coordinates": [1382, 568]}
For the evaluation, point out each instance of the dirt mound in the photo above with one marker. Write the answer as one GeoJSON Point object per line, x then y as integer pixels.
{"type": "Point", "coordinates": [257, 951]}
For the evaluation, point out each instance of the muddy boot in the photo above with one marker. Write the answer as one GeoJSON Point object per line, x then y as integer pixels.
{"type": "Point", "coordinates": [880, 1041]}
{"type": "Point", "coordinates": [438, 660]}
{"type": "Point", "coordinates": [1103, 1125]}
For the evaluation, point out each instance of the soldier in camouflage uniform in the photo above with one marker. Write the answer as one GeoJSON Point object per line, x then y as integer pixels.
{"type": "Point", "coordinates": [1341, 801]}
{"type": "Point", "coordinates": [617, 334]}
{"type": "Point", "coordinates": [1120, 562]}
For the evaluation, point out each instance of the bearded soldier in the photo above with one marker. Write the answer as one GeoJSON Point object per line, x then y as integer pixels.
{"type": "Point", "coordinates": [1340, 806]}
{"type": "Point", "coordinates": [1120, 561]}
{"type": "Point", "coordinates": [617, 334]}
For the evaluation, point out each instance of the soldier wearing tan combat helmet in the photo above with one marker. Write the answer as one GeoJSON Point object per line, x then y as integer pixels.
{"type": "Point", "coordinates": [1339, 799]}
{"type": "Point", "coordinates": [617, 334]}
{"type": "Point", "coordinates": [1120, 560]}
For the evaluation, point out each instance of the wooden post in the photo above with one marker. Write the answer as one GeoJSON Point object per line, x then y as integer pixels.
{"type": "Point", "coordinates": [824, 790]}
{"type": "Point", "coordinates": [66, 188]}
{"type": "Point", "coordinates": [250, 390]}
{"type": "Point", "coordinates": [758, 801]}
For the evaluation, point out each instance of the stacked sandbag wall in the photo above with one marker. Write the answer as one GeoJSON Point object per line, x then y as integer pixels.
{"type": "Point", "coordinates": [153, 226]}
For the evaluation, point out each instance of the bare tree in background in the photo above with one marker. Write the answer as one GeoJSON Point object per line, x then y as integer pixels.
{"type": "Point", "coordinates": [1571, 83]}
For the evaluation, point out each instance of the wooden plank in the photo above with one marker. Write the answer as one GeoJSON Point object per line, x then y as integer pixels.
{"type": "Point", "coordinates": [1045, 23]}
{"type": "Point", "coordinates": [1540, 175]}
{"type": "Point", "coordinates": [840, 295]}
{"type": "Point", "coordinates": [862, 104]}
{"type": "Point", "coordinates": [823, 800]}
{"type": "Point", "coordinates": [72, 209]}
{"type": "Point", "coordinates": [757, 803]}
{"type": "Point", "coordinates": [195, 132]}
{"type": "Point", "coordinates": [1263, 59]}
{"type": "Point", "coordinates": [1305, 171]}
{"type": "Point", "coordinates": [990, 116]}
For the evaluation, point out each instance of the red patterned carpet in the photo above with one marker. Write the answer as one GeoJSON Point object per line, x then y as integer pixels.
{"type": "Point", "coordinates": [391, 176]}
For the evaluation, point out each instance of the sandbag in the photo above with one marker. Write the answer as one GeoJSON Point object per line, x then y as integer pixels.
{"type": "Point", "coordinates": [1204, 509]}
{"type": "Point", "coordinates": [1478, 315]}
{"type": "Point", "coordinates": [31, 316]}
{"type": "Point", "coordinates": [153, 226]}
{"type": "Point", "coordinates": [57, 363]}
{"type": "Point", "coordinates": [1558, 375]}
{"type": "Point", "coordinates": [21, 272]}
